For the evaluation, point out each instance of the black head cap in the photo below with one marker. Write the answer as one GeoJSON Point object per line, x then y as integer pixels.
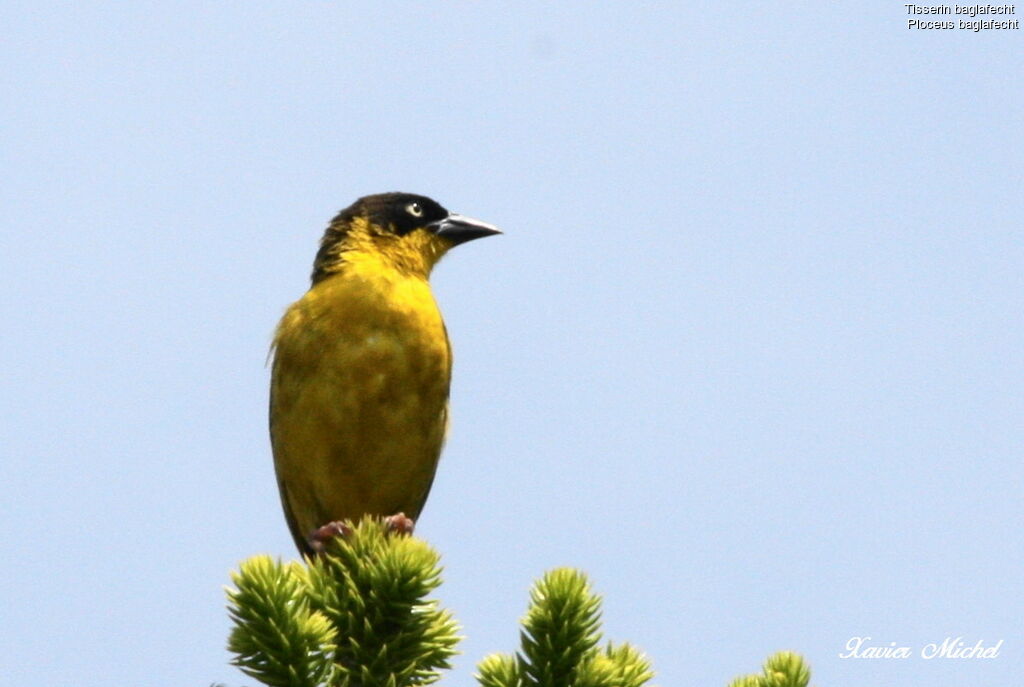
{"type": "Point", "coordinates": [396, 212]}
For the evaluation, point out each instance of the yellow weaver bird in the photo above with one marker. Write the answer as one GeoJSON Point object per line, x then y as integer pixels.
{"type": "Point", "coordinates": [362, 367]}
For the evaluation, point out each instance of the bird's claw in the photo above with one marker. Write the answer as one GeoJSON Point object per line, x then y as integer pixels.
{"type": "Point", "coordinates": [320, 536]}
{"type": "Point", "coordinates": [399, 523]}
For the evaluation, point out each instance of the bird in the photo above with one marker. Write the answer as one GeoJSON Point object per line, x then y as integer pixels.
{"type": "Point", "coordinates": [362, 368]}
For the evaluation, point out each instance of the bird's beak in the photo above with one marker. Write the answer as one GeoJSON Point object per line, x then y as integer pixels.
{"type": "Point", "coordinates": [459, 229]}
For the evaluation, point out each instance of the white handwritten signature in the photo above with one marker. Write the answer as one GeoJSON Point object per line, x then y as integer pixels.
{"type": "Point", "coordinates": [950, 647]}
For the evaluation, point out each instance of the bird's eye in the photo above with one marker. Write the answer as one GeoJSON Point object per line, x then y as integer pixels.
{"type": "Point", "coordinates": [414, 209]}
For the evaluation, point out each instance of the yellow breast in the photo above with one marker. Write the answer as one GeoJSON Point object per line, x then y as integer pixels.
{"type": "Point", "coordinates": [359, 396]}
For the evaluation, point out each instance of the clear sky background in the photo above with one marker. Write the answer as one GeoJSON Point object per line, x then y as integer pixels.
{"type": "Point", "coordinates": [750, 353]}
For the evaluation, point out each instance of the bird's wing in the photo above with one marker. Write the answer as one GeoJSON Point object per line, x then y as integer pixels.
{"type": "Point", "coordinates": [301, 540]}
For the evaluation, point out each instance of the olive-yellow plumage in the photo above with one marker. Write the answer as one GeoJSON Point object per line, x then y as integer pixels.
{"type": "Point", "coordinates": [362, 367]}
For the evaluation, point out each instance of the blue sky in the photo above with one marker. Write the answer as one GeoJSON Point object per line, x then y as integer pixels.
{"type": "Point", "coordinates": [749, 352]}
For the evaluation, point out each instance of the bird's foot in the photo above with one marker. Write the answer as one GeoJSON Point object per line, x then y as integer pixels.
{"type": "Point", "coordinates": [320, 536]}
{"type": "Point", "coordinates": [399, 523]}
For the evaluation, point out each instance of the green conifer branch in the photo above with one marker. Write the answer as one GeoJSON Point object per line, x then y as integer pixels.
{"type": "Point", "coordinates": [360, 616]}
{"type": "Point", "coordinates": [357, 616]}
{"type": "Point", "coordinates": [278, 639]}
{"type": "Point", "coordinates": [561, 631]}
{"type": "Point", "coordinates": [498, 670]}
{"type": "Point", "coordinates": [373, 587]}
{"type": "Point", "coordinates": [784, 669]}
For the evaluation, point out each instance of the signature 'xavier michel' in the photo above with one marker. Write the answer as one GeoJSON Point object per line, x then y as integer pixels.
{"type": "Point", "coordinates": [362, 367]}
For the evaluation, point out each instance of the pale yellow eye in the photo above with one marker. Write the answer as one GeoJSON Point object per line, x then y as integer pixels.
{"type": "Point", "coordinates": [414, 209]}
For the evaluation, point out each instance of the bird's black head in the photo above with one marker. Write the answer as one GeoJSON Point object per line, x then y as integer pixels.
{"type": "Point", "coordinates": [397, 212]}
{"type": "Point", "coordinates": [389, 217]}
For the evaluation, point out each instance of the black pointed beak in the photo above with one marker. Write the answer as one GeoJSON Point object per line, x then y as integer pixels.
{"type": "Point", "coordinates": [459, 229]}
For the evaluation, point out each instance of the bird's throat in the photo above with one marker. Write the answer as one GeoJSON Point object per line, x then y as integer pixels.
{"type": "Point", "coordinates": [413, 254]}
